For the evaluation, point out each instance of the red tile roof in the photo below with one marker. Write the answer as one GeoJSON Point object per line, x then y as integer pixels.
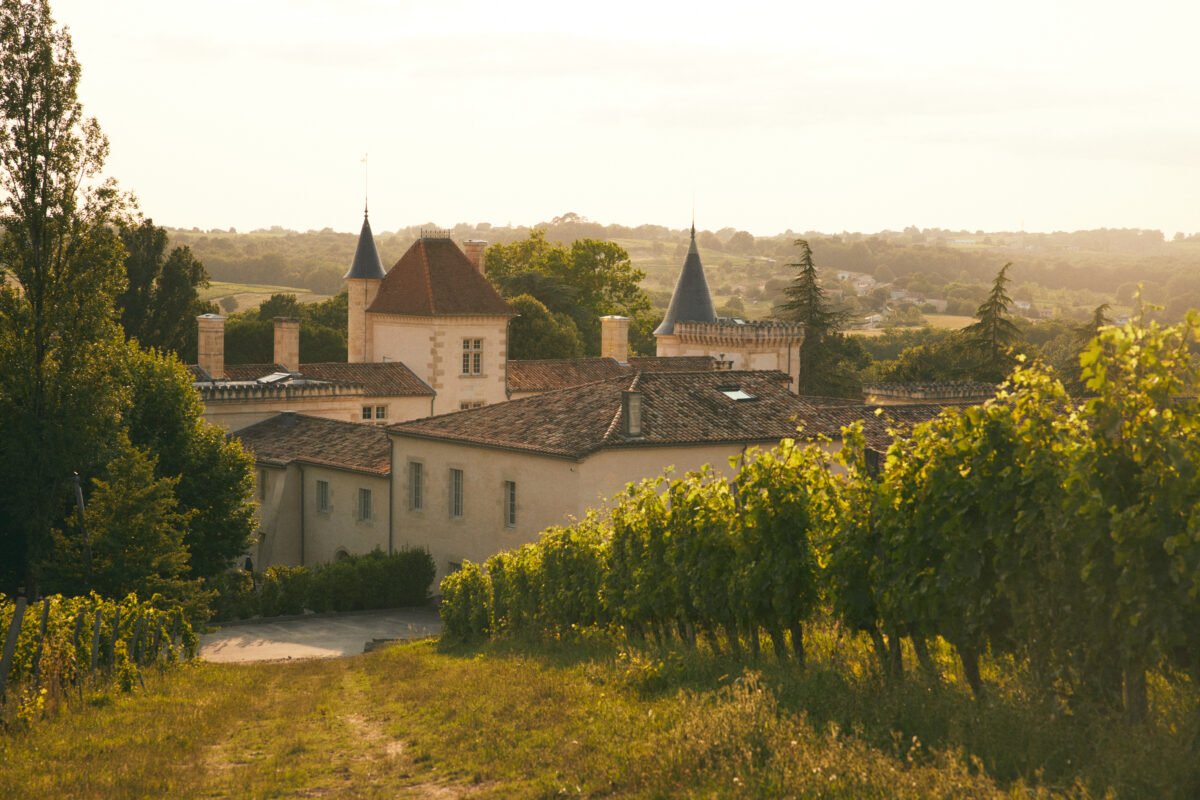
{"type": "Point", "coordinates": [673, 363]}
{"type": "Point", "coordinates": [433, 278]}
{"type": "Point", "coordinates": [678, 408]}
{"type": "Point", "coordinates": [559, 373]}
{"type": "Point", "coordinates": [237, 372]}
{"type": "Point", "coordinates": [288, 438]}
{"type": "Point", "coordinates": [389, 379]}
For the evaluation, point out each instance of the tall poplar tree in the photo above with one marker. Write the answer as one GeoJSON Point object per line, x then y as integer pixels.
{"type": "Point", "coordinates": [61, 266]}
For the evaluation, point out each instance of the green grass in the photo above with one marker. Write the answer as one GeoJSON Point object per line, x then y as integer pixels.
{"type": "Point", "coordinates": [252, 295]}
{"type": "Point", "coordinates": [591, 719]}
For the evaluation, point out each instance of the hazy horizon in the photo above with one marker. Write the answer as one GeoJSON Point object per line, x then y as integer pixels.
{"type": "Point", "coordinates": [851, 118]}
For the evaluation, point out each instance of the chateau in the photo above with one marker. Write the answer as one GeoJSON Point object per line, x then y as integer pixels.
{"type": "Point", "coordinates": [431, 437]}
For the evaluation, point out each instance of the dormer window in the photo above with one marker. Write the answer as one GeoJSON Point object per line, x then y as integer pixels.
{"type": "Point", "coordinates": [735, 393]}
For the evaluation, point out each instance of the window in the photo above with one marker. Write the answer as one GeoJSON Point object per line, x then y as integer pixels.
{"type": "Point", "coordinates": [262, 484]}
{"type": "Point", "coordinates": [366, 412]}
{"type": "Point", "coordinates": [472, 363]}
{"type": "Point", "coordinates": [510, 503]}
{"type": "Point", "coordinates": [364, 505]}
{"type": "Point", "coordinates": [735, 393]}
{"type": "Point", "coordinates": [416, 485]}
{"type": "Point", "coordinates": [465, 404]}
{"type": "Point", "coordinates": [380, 412]}
{"type": "Point", "coordinates": [323, 496]}
{"type": "Point", "coordinates": [456, 493]}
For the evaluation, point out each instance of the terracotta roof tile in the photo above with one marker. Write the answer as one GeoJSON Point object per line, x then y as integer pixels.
{"type": "Point", "coordinates": [673, 363]}
{"type": "Point", "coordinates": [435, 277]}
{"type": "Point", "coordinates": [390, 379]}
{"type": "Point", "coordinates": [678, 408]}
{"type": "Point", "coordinates": [287, 438]}
{"type": "Point", "coordinates": [559, 373]}
{"type": "Point", "coordinates": [238, 372]}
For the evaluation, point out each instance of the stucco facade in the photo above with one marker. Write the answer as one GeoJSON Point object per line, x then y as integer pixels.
{"type": "Point", "coordinates": [462, 358]}
{"type": "Point", "coordinates": [303, 523]}
{"type": "Point", "coordinates": [234, 409]}
{"type": "Point", "coordinates": [548, 491]}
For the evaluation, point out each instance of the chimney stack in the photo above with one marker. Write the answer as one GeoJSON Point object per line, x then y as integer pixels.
{"type": "Point", "coordinates": [631, 414]}
{"type": "Point", "coordinates": [475, 249]}
{"type": "Point", "coordinates": [614, 338]}
{"type": "Point", "coordinates": [287, 343]}
{"type": "Point", "coordinates": [210, 350]}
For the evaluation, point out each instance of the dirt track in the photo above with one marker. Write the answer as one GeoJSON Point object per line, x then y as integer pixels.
{"type": "Point", "coordinates": [316, 635]}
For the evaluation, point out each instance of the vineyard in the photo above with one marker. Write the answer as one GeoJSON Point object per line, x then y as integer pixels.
{"type": "Point", "coordinates": [1060, 535]}
{"type": "Point", "coordinates": [52, 647]}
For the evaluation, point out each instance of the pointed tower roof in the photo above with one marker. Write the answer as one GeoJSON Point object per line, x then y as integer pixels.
{"type": "Point", "coordinates": [367, 263]}
{"type": "Point", "coordinates": [436, 278]}
{"type": "Point", "coordinates": [691, 301]}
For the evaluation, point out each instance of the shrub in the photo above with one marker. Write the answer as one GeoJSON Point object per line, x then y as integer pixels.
{"type": "Point", "coordinates": [356, 583]}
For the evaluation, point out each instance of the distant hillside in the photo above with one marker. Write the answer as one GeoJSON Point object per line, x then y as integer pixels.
{"type": "Point", "coordinates": [1055, 273]}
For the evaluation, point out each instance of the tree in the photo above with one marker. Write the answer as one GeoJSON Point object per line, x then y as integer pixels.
{"type": "Point", "coordinates": [213, 476]}
{"type": "Point", "coordinates": [741, 242]}
{"type": "Point", "coordinates": [250, 334]}
{"type": "Point", "coordinates": [994, 333]}
{"type": "Point", "coordinates": [161, 299]}
{"type": "Point", "coordinates": [827, 360]}
{"type": "Point", "coordinates": [135, 536]}
{"type": "Point", "coordinates": [586, 281]}
{"type": "Point", "coordinates": [540, 333]}
{"type": "Point", "coordinates": [61, 262]}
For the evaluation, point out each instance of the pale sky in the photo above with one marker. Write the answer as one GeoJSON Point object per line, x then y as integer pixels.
{"type": "Point", "coordinates": [832, 116]}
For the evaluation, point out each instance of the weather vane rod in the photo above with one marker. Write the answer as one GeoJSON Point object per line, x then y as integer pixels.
{"type": "Point", "coordinates": [365, 183]}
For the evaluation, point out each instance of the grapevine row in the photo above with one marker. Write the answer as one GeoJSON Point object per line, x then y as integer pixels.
{"type": "Point", "coordinates": [1062, 532]}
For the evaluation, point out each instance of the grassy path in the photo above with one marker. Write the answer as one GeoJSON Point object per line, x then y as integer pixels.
{"type": "Point", "coordinates": [413, 721]}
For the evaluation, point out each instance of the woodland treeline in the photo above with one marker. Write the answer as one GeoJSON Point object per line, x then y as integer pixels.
{"type": "Point", "coordinates": [1105, 265]}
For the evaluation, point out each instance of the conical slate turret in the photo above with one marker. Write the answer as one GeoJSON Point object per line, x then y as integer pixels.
{"type": "Point", "coordinates": [367, 264]}
{"type": "Point", "coordinates": [691, 301]}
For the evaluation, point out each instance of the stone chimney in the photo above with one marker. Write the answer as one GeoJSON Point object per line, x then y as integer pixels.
{"type": "Point", "coordinates": [210, 349]}
{"type": "Point", "coordinates": [631, 414]}
{"type": "Point", "coordinates": [287, 343]}
{"type": "Point", "coordinates": [475, 249]}
{"type": "Point", "coordinates": [614, 338]}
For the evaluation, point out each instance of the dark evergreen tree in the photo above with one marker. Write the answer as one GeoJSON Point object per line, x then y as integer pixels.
{"type": "Point", "coordinates": [829, 362]}
{"type": "Point", "coordinates": [994, 335]}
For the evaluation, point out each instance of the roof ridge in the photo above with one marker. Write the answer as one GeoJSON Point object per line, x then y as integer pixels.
{"type": "Point", "coordinates": [427, 273]}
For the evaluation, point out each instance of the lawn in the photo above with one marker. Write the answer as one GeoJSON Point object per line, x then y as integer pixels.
{"type": "Point", "coordinates": [592, 719]}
